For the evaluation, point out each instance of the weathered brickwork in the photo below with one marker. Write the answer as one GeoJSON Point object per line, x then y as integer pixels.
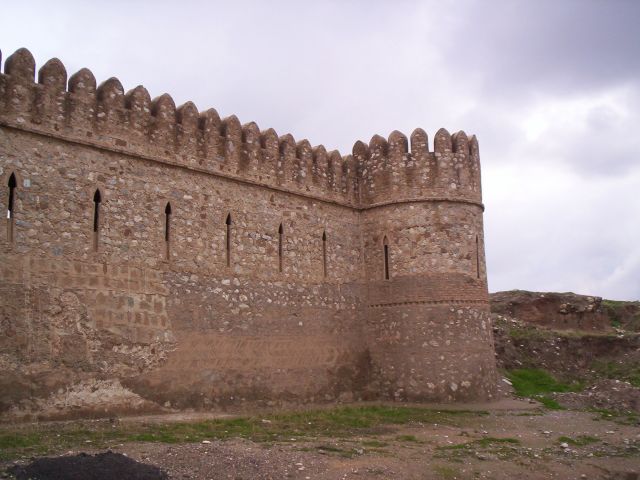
{"type": "Point", "coordinates": [160, 258]}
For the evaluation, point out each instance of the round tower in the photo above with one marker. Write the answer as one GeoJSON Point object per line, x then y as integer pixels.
{"type": "Point", "coordinates": [430, 335]}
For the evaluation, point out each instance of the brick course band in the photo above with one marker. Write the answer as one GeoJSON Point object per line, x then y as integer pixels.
{"type": "Point", "coordinates": [431, 302]}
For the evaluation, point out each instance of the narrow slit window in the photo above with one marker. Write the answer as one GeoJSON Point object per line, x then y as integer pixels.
{"type": "Point", "coordinates": [385, 244]}
{"type": "Point", "coordinates": [280, 246]}
{"type": "Point", "coordinates": [477, 257]}
{"type": "Point", "coordinates": [11, 207]}
{"type": "Point", "coordinates": [167, 229]}
{"type": "Point", "coordinates": [324, 254]}
{"type": "Point", "coordinates": [97, 199]}
{"type": "Point", "coordinates": [228, 224]}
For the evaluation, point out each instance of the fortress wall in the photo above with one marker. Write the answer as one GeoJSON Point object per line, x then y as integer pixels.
{"type": "Point", "coordinates": [271, 286]}
{"type": "Point", "coordinates": [428, 324]}
{"type": "Point", "coordinates": [188, 331]}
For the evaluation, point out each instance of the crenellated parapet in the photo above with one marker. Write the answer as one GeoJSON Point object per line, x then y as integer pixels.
{"type": "Point", "coordinates": [397, 168]}
{"type": "Point", "coordinates": [75, 108]}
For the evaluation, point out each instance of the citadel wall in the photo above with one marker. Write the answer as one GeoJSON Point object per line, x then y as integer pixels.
{"type": "Point", "coordinates": [157, 258]}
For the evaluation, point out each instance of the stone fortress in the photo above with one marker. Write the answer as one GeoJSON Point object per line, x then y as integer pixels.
{"type": "Point", "coordinates": [159, 258]}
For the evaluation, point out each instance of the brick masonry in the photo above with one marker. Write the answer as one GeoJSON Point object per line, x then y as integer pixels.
{"type": "Point", "coordinates": [227, 266]}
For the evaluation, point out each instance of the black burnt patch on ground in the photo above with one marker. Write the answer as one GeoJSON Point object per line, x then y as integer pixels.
{"type": "Point", "coordinates": [103, 466]}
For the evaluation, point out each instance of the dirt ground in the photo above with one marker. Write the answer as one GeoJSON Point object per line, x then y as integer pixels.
{"type": "Point", "coordinates": [503, 440]}
{"type": "Point", "coordinates": [416, 452]}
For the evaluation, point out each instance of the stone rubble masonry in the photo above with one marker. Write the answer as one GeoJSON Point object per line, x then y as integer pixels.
{"type": "Point", "coordinates": [160, 258]}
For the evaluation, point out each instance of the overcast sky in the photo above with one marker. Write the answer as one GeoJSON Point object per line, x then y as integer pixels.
{"type": "Point", "coordinates": [551, 88]}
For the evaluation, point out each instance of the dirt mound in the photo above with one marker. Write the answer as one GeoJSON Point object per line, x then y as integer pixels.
{"type": "Point", "coordinates": [575, 339]}
{"type": "Point", "coordinates": [103, 466]}
{"type": "Point", "coordinates": [563, 311]}
{"type": "Point", "coordinates": [555, 310]}
{"type": "Point", "coordinates": [568, 355]}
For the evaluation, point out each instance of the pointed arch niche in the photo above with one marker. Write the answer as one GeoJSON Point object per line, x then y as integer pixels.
{"type": "Point", "coordinates": [228, 224]}
{"type": "Point", "coordinates": [385, 252]}
{"type": "Point", "coordinates": [12, 184]}
{"type": "Point", "coordinates": [97, 200]}
{"type": "Point", "coordinates": [324, 253]}
{"type": "Point", "coordinates": [280, 247]}
{"type": "Point", "coordinates": [167, 230]}
{"type": "Point", "coordinates": [477, 257]}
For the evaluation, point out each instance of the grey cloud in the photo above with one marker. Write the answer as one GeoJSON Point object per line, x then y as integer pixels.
{"type": "Point", "coordinates": [602, 141]}
{"type": "Point", "coordinates": [525, 47]}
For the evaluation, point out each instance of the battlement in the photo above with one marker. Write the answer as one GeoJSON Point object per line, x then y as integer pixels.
{"type": "Point", "coordinates": [76, 109]}
{"type": "Point", "coordinates": [389, 170]}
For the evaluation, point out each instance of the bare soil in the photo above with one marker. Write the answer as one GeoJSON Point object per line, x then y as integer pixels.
{"type": "Point", "coordinates": [422, 452]}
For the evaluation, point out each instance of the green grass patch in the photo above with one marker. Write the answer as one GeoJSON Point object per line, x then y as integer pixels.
{"type": "Point", "coordinates": [628, 450]}
{"type": "Point", "coordinates": [374, 443]}
{"type": "Point", "coordinates": [341, 422]}
{"type": "Point", "coordinates": [537, 383]}
{"type": "Point", "coordinates": [617, 303]}
{"type": "Point", "coordinates": [629, 372]}
{"type": "Point", "coordinates": [341, 452]}
{"type": "Point", "coordinates": [489, 441]}
{"type": "Point", "coordinates": [502, 448]}
{"type": "Point", "coordinates": [618, 310]}
{"type": "Point", "coordinates": [528, 382]}
{"type": "Point", "coordinates": [484, 442]}
{"type": "Point", "coordinates": [548, 402]}
{"type": "Point", "coordinates": [446, 472]}
{"type": "Point", "coordinates": [456, 446]}
{"type": "Point", "coordinates": [579, 441]}
{"type": "Point", "coordinates": [622, 418]}
{"type": "Point", "coordinates": [408, 438]}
